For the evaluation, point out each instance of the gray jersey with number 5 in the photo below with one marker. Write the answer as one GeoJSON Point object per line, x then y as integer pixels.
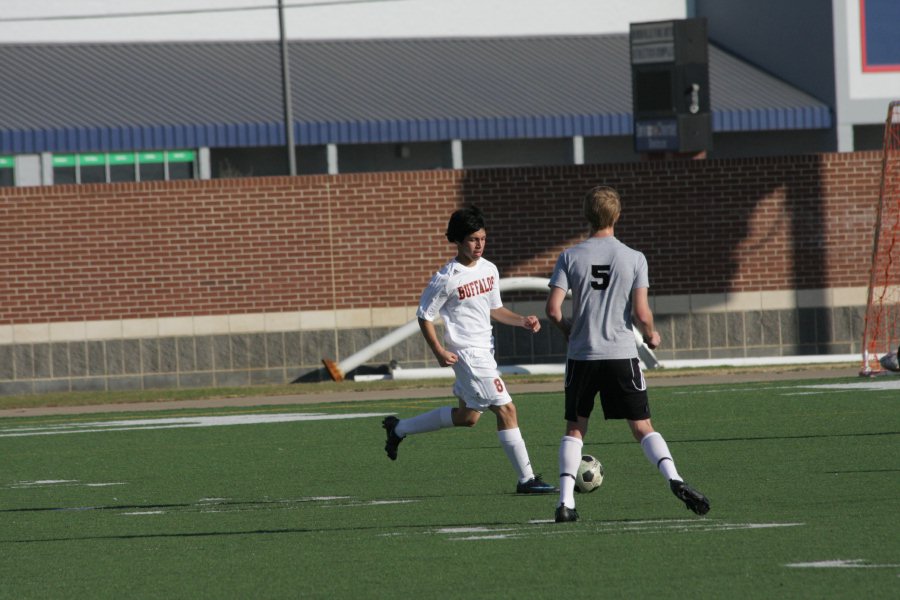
{"type": "Point", "coordinates": [601, 272]}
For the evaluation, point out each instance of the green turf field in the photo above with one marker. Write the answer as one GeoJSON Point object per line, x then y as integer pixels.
{"type": "Point", "coordinates": [268, 503]}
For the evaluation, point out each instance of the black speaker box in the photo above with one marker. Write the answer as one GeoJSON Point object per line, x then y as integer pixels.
{"type": "Point", "coordinates": [670, 85]}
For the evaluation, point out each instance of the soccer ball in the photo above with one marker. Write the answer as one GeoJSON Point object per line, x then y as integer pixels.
{"type": "Point", "coordinates": [589, 475]}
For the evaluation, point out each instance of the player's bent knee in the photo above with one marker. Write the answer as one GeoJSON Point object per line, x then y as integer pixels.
{"type": "Point", "coordinates": [465, 418]}
{"type": "Point", "coordinates": [507, 418]}
{"type": "Point", "coordinates": [640, 429]}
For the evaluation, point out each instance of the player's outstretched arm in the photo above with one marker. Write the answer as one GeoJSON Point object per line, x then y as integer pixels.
{"type": "Point", "coordinates": [508, 317]}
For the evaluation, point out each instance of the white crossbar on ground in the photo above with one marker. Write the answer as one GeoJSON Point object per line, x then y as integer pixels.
{"type": "Point", "coordinates": [560, 368]}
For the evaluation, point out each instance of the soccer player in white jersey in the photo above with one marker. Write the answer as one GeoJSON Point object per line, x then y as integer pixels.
{"type": "Point", "coordinates": [609, 285]}
{"type": "Point", "coordinates": [466, 295]}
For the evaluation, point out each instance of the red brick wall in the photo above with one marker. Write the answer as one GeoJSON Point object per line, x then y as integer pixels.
{"type": "Point", "coordinates": [96, 252]}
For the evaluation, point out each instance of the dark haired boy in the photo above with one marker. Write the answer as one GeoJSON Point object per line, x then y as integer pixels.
{"type": "Point", "coordinates": [465, 293]}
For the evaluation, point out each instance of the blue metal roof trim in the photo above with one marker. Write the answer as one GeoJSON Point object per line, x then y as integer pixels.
{"type": "Point", "coordinates": [146, 137]}
{"type": "Point", "coordinates": [155, 137]}
{"type": "Point", "coordinates": [470, 128]}
{"type": "Point", "coordinates": [767, 119]}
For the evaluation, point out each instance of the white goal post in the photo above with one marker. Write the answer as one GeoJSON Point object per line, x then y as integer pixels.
{"type": "Point", "coordinates": [338, 371]}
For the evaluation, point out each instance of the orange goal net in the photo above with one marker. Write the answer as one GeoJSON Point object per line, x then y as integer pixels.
{"type": "Point", "coordinates": [880, 333]}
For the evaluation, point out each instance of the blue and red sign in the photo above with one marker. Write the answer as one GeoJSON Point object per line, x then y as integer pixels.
{"type": "Point", "coordinates": [880, 35]}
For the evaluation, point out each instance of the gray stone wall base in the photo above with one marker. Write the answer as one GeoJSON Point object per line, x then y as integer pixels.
{"type": "Point", "coordinates": [280, 358]}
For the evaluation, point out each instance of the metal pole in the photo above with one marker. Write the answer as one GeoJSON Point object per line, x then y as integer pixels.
{"type": "Point", "coordinates": [286, 92]}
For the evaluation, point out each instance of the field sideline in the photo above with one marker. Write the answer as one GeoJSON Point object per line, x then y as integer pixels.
{"type": "Point", "coordinates": [297, 500]}
{"type": "Point", "coordinates": [350, 391]}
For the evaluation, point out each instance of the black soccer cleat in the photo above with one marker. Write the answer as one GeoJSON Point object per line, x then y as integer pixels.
{"type": "Point", "coordinates": [564, 514]}
{"type": "Point", "coordinates": [535, 485]}
{"type": "Point", "coordinates": [393, 440]}
{"type": "Point", "coordinates": [693, 499]}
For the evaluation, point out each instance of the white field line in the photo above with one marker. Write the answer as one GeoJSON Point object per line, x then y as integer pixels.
{"type": "Point", "coordinates": [864, 385]}
{"type": "Point", "coordinates": [852, 563]}
{"type": "Point", "coordinates": [652, 526]}
{"type": "Point", "coordinates": [57, 483]}
{"type": "Point", "coordinates": [227, 505]}
{"type": "Point", "coordinates": [178, 422]}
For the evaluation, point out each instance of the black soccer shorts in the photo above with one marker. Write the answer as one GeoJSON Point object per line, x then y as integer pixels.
{"type": "Point", "coordinates": [620, 383]}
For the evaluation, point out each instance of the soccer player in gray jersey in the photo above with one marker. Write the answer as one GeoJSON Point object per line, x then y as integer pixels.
{"type": "Point", "coordinates": [609, 285]}
{"type": "Point", "coordinates": [465, 293]}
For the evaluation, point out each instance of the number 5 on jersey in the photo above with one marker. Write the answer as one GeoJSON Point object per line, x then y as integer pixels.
{"type": "Point", "coordinates": [601, 273]}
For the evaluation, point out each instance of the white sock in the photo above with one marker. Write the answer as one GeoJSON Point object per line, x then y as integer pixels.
{"type": "Point", "coordinates": [439, 418]}
{"type": "Point", "coordinates": [569, 459]}
{"type": "Point", "coordinates": [657, 452]}
{"type": "Point", "coordinates": [514, 446]}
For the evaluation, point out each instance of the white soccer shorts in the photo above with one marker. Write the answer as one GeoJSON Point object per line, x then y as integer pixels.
{"type": "Point", "coordinates": [478, 381]}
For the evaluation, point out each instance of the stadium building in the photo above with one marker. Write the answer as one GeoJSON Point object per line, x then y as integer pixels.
{"type": "Point", "coordinates": [87, 103]}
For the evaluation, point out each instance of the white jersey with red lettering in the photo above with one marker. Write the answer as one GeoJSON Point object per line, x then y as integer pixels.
{"type": "Point", "coordinates": [464, 297]}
